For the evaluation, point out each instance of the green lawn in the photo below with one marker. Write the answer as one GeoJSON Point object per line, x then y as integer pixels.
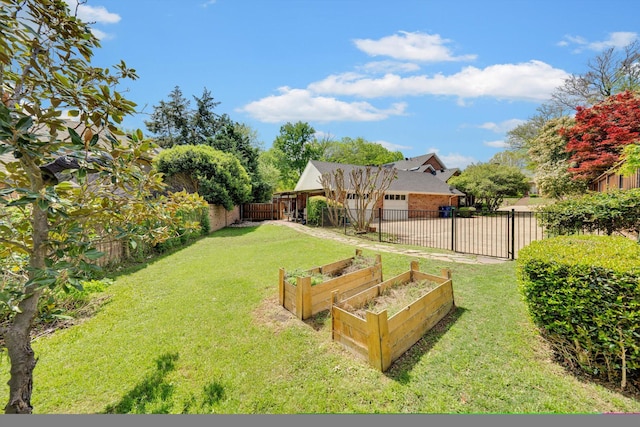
{"type": "Point", "coordinates": [199, 331]}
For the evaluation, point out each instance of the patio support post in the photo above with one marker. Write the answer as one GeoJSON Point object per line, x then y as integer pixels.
{"type": "Point", "coordinates": [453, 229]}
{"type": "Point", "coordinates": [513, 234]}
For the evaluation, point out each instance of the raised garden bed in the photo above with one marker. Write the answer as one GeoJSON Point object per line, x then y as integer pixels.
{"type": "Point", "coordinates": [362, 322]}
{"type": "Point", "coordinates": [306, 293]}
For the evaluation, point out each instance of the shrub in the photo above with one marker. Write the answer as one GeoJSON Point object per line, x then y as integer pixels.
{"type": "Point", "coordinates": [193, 222]}
{"type": "Point", "coordinates": [466, 211]}
{"type": "Point", "coordinates": [315, 207]}
{"type": "Point", "coordinates": [610, 212]}
{"type": "Point", "coordinates": [217, 176]}
{"type": "Point", "coordinates": [584, 294]}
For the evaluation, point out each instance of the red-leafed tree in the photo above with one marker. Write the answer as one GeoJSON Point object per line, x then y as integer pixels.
{"type": "Point", "coordinates": [600, 133]}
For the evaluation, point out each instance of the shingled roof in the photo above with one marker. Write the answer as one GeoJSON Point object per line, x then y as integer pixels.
{"type": "Point", "coordinates": [406, 181]}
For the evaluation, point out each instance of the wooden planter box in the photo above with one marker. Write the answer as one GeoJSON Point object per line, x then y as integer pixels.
{"type": "Point", "coordinates": [305, 300]}
{"type": "Point", "coordinates": [382, 340]}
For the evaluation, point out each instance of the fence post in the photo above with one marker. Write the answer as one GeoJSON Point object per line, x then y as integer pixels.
{"type": "Point", "coordinates": [380, 225]}
{"type": "Point", "coordinates": [344, 219]}
{"type": "Point", "coordinates": [513, 234]}
{"type": "Point", "coordinates": [453, 229]}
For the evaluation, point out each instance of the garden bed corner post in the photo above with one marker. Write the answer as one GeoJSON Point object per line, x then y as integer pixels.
{"type": "Point", "coordinates": [281, 287]}
{"type": "Point", "coordinates": [303, 298]}
{"type": "Point", "coordinates": [379, 348]}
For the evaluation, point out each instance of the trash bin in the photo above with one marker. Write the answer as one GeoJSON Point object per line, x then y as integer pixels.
{"type": "Point", "coordinates": [445, 211]}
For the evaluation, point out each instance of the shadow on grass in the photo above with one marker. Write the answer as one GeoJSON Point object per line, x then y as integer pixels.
{"type": "Point", "coordinates": [234, 231]}
{"type": "Point", "coordinates": [400, 369]}
{"type": "Point", "coordinates": [152, 395]}
{"type": "Point", "coordinates": [319, 321]}
{"type": "Point", "coordinates": [142, 261]}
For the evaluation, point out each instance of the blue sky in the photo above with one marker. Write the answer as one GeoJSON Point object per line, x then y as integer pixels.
{"type": "Point", "coordinates": [419, 76]}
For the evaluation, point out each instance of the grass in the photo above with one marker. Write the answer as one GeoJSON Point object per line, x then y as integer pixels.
{"type": "Point", "coordinates": [200, 331]}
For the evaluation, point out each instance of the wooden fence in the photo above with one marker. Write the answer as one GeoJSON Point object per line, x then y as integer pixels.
{"type": "Point", "coordinates": [380, 339]}
{"type": "Point", "coordinates": [261, 211]}
{"type": "Point", "coordinates": [305, 300]}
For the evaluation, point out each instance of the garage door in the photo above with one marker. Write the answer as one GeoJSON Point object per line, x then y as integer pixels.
{"type": "Point", "coordinates": [396, 207]}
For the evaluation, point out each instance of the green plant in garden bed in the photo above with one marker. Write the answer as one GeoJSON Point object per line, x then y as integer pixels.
{"type": "Point", "coordinates": [316, 278]}
{"type": "Point", "coordinates": [584, 294]}
{"type": "Point", "coordinates": [359, 262]}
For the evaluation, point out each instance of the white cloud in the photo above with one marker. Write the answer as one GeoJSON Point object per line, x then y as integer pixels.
{"type": "Point", "coordinates": [208, 3]}
{"type": "Point", "coordinates": [101, 35]}
{"type": "Point", "coordinates": [502, 127]}
{"type": "Point", "coordinates": [496, 144]}
{"type": "Point", "coordinates": [95, 14]}
{"type": "Point", "coordinates": [411, 46]}
{"type": "Point", "coordinates": [454, 160]}
{"type": "Point", "coordinates": [98, 14]}
{"type": "Point", "coordinates": [393, 147]}
{"type": "Point", "coordinates": [389, 67]}
{"type": "Point", "coordinates": [618, 40]}
{"type": "Point", "coordinates": [303, 105]}
{"type": "Point", "coordinates": [532, 81]}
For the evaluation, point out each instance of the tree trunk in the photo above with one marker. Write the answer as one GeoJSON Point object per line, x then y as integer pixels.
{"type": "Point", "coordinates": [21, 356]}
{"type": "Point", "coordinates": [18, 334]}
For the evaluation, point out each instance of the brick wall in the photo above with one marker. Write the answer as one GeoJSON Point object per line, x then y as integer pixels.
{"type": "Point", "coordinates": [219, 217]}
{"type": "Point", "coordinates": [430, 202]}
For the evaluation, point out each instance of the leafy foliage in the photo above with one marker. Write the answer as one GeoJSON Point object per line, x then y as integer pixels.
{"type": "Point", "coordinates": [490, 183]}
{"type": "Point", "coordinates": [315, 207]}
{"type": "Point", "coordinates": [358, 152]}
{"type": "Point", "coordinates": [583, 292]}
{"type": "Point", "coordinates": [611, 212]}
{"type": "Point", "coordinates": [600, 133]}
{"type": "Point", "coordinates": [630, 159]}
{"type": "Point", "coordinates": [292, 149]}
{"type": "Point", "coordinates": [175, 123]}
{"type": "Point", "coordinates": [548, 154]}
{"type": "Point", "coordinates": [215, 175]}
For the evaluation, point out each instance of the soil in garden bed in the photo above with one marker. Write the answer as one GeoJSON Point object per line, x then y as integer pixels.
{"type": "Point", "coordinates": [394, 298]}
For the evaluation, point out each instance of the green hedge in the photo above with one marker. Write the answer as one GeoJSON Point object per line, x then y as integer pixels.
{"type": "Point", "coordinates": [315, 206]}
{"type": "Point", "coordinates": [610, 212]}
{"type": "Point", "coordinates": [584, 294]}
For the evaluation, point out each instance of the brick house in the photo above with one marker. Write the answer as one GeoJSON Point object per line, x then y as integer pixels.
{"type": "Point", "coordinates": [421, 189]}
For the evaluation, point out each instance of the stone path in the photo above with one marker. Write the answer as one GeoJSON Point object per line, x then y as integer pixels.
{"type": "Point", "coordinates": [380, 247]}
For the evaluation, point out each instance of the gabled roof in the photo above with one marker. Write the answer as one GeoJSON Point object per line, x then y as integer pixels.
{"type": "Point", "coordinates": [422, 164]}
{"type": "Point", "coordinates": [406, 181]}
{"type": "Point", "coordinates": [416, 162]}
{"type": "Point", "coordinates": [447, 173]}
